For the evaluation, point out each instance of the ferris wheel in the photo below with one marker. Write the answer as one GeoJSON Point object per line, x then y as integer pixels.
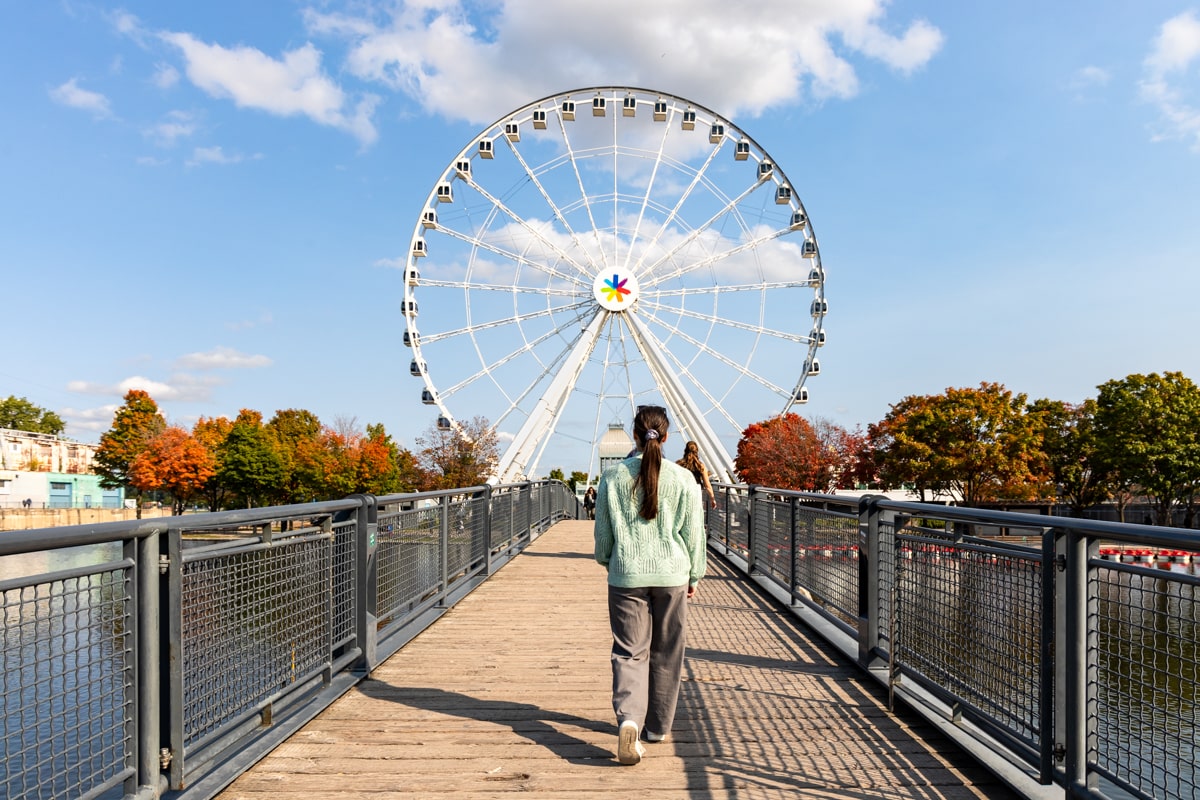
{"type": "Point", "coordinates": [606, 248]}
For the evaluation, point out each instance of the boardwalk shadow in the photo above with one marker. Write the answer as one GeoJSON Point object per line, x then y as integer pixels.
{"type": "Point", "coordinates": [539, 726]}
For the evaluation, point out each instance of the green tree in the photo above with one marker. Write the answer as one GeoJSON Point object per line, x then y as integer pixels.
{"type": "Point", "coordinates": [296, 432]}
{"type": "Point", "coordinates": [557, 474]}
{"type": "Point", "coordinates": [979, 445]}
{"type": "Point", "coordinates": [251, 466]}
{"type": "Point", "coordinates": [18, 414]}
{"type": "Point", "coordinates": [1075, 465]}
{"type": "Point", "coordinates": [1148, 430]}
{"type": "Point", "coordinates": [134, 425]}
{"type": "Point", "coordinates": [578, 479]}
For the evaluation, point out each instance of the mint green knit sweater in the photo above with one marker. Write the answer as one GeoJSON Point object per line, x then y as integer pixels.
{"type": "Point", "coordinates": [668, 550]}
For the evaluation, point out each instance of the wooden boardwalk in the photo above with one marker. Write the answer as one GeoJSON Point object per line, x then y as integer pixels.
{"type": "Point", "coordinates": [509, 692]}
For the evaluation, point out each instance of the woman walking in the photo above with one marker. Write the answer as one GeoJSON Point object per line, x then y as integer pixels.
{"type": "Point", "coordinates": [649, 534]}
{"type": "Point", "coordinates": [692, 463]}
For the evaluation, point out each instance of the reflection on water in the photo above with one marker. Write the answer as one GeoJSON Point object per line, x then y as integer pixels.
{"type": "Point", "coordinates": [67, 672]}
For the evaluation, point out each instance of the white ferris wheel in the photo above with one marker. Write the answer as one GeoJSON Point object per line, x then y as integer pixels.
{"type": "Point", "coordinates": [606, 248]}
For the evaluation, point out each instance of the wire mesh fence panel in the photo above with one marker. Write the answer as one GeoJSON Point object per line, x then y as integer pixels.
{"type": "Point", "coordinates": [1147, 624]}
{"type": "Point", "coordinates": [467, 544]}
{"type": "Point", "coordinates": [827, 560]}
{"type": "Point", "coordinates": [969, 621]}
{"type": "Point", "coordinates": [408, 558]}
{"type": "Point", "coordinates": [266, 608]}
{"type": "Point", "coordinates": [66, 686]}
{"type": "Point", "coordinates": [772, 538]}
{"type": "Point", "coordinates": [345, 543]}
{"type": "Point", "coordinates": [502, 516]}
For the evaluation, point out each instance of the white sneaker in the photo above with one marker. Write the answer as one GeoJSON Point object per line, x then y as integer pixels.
{"type": "Point", "coordinates": [629, 749]}
{"type": "Point", "coordinates": [655, 737]}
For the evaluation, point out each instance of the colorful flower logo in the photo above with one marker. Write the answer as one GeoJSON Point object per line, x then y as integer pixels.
{"type": "Point", "coordinates": [615, 289]}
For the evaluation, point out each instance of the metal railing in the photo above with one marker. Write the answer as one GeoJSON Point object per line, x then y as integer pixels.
{"type": "Point", "coordinates": [170, 654]}
{"type": "Point", "coordinates": [1058, 664]}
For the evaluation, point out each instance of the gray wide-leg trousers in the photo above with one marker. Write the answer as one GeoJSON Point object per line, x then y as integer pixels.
{"type": "Point", "coordinates": [648, 627]}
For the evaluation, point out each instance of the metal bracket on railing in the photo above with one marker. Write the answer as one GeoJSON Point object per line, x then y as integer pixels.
{"type": "Point", "coordinates": [164, 563]}
{"type": "Point", "coordinates": [1060, 562]}
{"type": "Point", "coordinates": [164, 757]}
{"type": "Point", "coordinates": [1060, 751]}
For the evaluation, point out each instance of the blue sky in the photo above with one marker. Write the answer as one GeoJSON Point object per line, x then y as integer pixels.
{"type": "Point", "coordinates": [209, 201]}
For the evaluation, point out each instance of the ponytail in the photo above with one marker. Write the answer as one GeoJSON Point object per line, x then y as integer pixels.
{"type": "Point", "coordinates": [649, 429]}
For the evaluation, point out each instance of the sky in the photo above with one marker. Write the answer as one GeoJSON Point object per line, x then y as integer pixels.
{"type": "Point", "coordinates": [213, 201]}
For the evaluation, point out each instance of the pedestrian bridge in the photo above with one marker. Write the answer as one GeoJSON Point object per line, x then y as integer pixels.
{"type": "Point", "coordinates": [457, 643]}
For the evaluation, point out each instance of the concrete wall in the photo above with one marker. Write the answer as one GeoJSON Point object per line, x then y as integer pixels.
{"type": "Point", "coordinates": [20, 519]}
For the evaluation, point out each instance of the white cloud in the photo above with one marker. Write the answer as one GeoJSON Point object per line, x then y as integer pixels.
{"type": "Point", "coordinates": [71, 95]}
{"type": "Point", "coordinates": [183, 388]}
{"type": "Point", "coordinates": [296, 84]}
{"type": "Point", "coordinates": [778, 52]}
{"type": "Point", "coordinates": [217, 155]}
{"type": "Point", "coordinates": [1089, 76]}
{"type": "Point", "coordinates": [165, 76]}
{"type": "Point", "coordinates": [95, 420]}
{"type": "Point", "coordinates": [1164, 85]}
{"type": "Point", "coordinates": [222, 358]}
{"type": "Point", "coordinates": [151, 161]}
{"type": "Point", "coordinates": [177, 125]}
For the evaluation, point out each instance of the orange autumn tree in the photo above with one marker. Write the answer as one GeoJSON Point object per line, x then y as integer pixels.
{"type": "Point", "coordinates": [174, 462]}
{"type": "Point", "coordinates": [787, 452]}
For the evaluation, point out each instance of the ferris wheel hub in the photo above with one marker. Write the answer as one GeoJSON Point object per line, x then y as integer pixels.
{"type": "Point", "coordinates": [615, 289]}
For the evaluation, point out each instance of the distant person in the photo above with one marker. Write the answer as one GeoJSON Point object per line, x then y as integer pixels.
{"type": "Point", "coordinates": [649, 534]}
{"type": "Point", "coordinates": [692, 463]}
{"type": "Point", "coordinates": [589, 502]}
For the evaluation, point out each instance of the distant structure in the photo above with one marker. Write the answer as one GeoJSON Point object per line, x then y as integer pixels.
{"type": "Point", "coordinates": [38, 470]}
{"type": "Point", "coordinates": [615, 445]}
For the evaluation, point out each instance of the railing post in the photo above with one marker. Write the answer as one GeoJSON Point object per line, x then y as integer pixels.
{"type": "Point", "coordinates": [868, 580]}
{"type": "Point", "coordinates": [792, 550]}
{"type": "Point", "coordinates": [487, 529]}
{"type": "Point", "coordinates": [444, 549]}
{"type": "Point", "coordinates": [366, 582]}
{"type": "Point", "coordinates": [750, 532]}
{"type": "Point", "coordinates": [1078, 725]}
{"type": "Point", "coordinates": [151, 783]}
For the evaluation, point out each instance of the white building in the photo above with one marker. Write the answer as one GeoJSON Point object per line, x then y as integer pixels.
{"type": "Point", "coordinates": [38, 470]}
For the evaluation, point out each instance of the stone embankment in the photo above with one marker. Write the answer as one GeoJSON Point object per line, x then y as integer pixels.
{"type": "Point", "coordinates": [23, 519]}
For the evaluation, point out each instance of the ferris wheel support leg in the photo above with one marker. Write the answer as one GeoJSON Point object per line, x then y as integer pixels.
{"type": "Point", "coordinates": [519, 459]}
{"type": "Point", "coordinates": [691, 421]}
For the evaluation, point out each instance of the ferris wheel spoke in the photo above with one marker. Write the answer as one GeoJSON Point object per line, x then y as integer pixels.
{"type": "Point", "coordinates": [715, 258]}
{"type": "Point", "coordinates": [553, 206]}
{"type": "Point", "coordinates": [726, 288]}
{"type": "Point", "coordinates": [499, 204]}
{"type": "Point", "coordinates": [518, 459]}
{"type": "Point", "coordinates": [584, 197]}
{"type": "Point", "coordinates": [487, 369]}
{"type": "Point", "coordinates": [708, 350]}
{"type": "Point", "coordinates": [499, 323]}
{"type": "Point", "coordinates": [484, 244]}
{"type": "Point", "coordinates": [721, 321]}
{"type": "Point", "coordinates": [645, 203]}
{"type": "Point", "coordinates": [495, 287]}
{"type": "Point", "coordinates": [673, 215]}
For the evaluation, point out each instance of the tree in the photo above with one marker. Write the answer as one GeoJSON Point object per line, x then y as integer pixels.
{"type": "Point", "coordinates": [979, 445]}
{"type": "Point", "coordinates": [782, 452]}
{"type": "Point", "coordinates": [578, 479]}
{"type": "Point", "coordinates": [297, 433]}
{"type": "Point", "coordinates": [1148, 430]}
{"type": "Point", "coordinates": [174, 462]}
{"type": "Point", "coordinates": [18, 414]}
{"type": "Point", "coordinates": [251, 466]}
{"type": "Point", "coordinates": [211, 433]}
{"type": "Point", "coordinates": [1080, 476]}
{"type": "Point", "coordinates": [134, 425]}
{"type": "Point", "coordinates": [557, 474]}
{"type": "Point", "coordinates": [465, 455]}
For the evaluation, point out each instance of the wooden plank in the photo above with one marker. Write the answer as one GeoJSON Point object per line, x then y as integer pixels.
{"type": "Point", "coordinates": [510, 692]}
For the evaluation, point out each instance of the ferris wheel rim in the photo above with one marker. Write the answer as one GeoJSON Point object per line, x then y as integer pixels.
{"type": "Point", "coordinates": [496, 131]}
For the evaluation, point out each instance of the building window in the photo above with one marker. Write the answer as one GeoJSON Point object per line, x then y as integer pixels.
{"type": "Point", "coordinates": [59, 486]}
